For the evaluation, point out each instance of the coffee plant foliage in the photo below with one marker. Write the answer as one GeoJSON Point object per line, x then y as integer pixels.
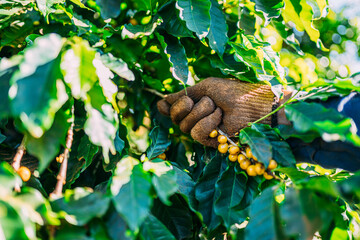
{"type": "Point", "coordinates": [98, 67]}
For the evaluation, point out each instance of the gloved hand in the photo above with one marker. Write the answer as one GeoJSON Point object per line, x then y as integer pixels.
{"type": "Point", "coordinates": [229, 104]}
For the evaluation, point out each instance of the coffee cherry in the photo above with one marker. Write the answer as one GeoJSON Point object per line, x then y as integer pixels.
{"type": "Point", "coordinates": [248, 152]}
{"type": "Point", "coordinates": [162, 156]}
{"type": "Point", "coordinates": [213, 133]}
{"type": "Point", "coordinates": [223, 147]}
{"type": "Point", "coordinates": [222, 139]}
{"type": "Point", "coordinates": [241, 158]}
{"type": "Point", "coordinates": [24, 173]}
{"type": "Point", "coordinates": [253, 157]}
{"type": "Point", "coordinates": [234, 150]}
{"type": "Point", "coordinates": [272, 164]}
{"type": "Point", "coordinates": [259, 168]}
{"type": "Point", "coordinates": [245, 164]}
{"type": "Point", "coordinates": [251, 171]}
{"type": "Point", "coordinates": [233, 157]}
{"type": "Point", "coordinates": [268, 176]}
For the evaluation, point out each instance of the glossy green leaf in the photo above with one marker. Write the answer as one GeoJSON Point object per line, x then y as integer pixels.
{"type": "Point", "coordinates": [218, 28]}
{"type": "Point", "coordinates": [172, 22]}
{"type": "Point", "coordinates": [281, 151]}
{"type": "Point", "coordinates": [8, 178]}
{"type": "Point", "coordinates": [48, 145]}
{"type": "Point", "coordinates": [330, 124]}
{"type": "Point", "coordinates": [122, 174]}
{"type": "Point", "coordinates": [146, 5]}
{"type": "Point", "coordinates": [78, 69]}
{"type": "Point", "coordinates": [196, 14]}
{"type": "Point", "coordinates": [118, 66]}
{"type": "Point", "coordinates": [46, 7]}
{"type": "Point", "coordinates": [138, 31]}
{"type": "Point", "coordinates": [153, 229]}
{"type": "Point", "coordinates": [270, 9]}
{"type": "Point", "coordinates": [231, 189]}
{"type": "Point", "coordinates": [260, 146]}
{"type": "Point", "coordinates": [186, 187]}
{"type": "Point", "coordinates": [159, 142]}
{"type": "Point", "coordinates": [133, 201]}
{"type": "Point", "coordinates": [37, 93]}
{"type": "Point", "coordinates": [11, 224]}
{"type": "Point", "coordinates": [262, 217]}
{"type": "Point", "coordinates": [5, 76]}
{"type": "Point", "coordinates": [101, 128]}
{"type": "Point", "coordinates": [176, 55]}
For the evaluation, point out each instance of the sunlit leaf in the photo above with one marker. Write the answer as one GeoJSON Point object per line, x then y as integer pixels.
{"type": "Point", "coordinates": [270, 9]}
{"type": "Point", "coordinates": [159, 142]}
{"type": "Point", "coordinates": [118, 66]}
{"type": "Point", "coordinates": [218, 28]}
{"type": "Point", "coordinates": [138, 31]}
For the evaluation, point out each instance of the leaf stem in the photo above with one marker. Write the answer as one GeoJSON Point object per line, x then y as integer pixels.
{"type": "Point", "coordinates": [61, 177]}
{"type": "Point", "coordinates": [276, 110]}
{"type": "Point", "coordinates": [17, 161]}
{"type": "Point", "coordinates": [154, 92]}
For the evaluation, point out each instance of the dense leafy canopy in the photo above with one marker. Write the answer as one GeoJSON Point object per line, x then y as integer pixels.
{"type": "Point", "coordinates": [97, 67]}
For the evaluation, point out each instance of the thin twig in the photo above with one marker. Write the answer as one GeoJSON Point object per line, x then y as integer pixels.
{"type": "Point", "coordinates": [61, 177]}
{"type": "Point", "coordinates": [154, 92]}
{"type": "Point", "coordinates": [17, 161]}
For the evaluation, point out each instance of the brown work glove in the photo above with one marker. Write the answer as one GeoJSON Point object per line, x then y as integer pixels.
{"type": "Point", "coordinates": [229, 104]}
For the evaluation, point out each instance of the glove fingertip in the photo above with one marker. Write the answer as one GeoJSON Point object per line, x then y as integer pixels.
{"type": "Point", "coordinates": [163, 107]}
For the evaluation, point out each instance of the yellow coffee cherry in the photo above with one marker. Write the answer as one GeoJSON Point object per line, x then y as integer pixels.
{"type": "Point", "coordinates": [222, 139]}
{"type": "Point", "coordinates": [245, 164]}
{"type": "Point", "coordinates": [272, 164]}
{"type": "Point", "coordinates": [24, 173]}
{"type": "Point", "coordinates": [268, 176]}
{"type": "Point", "coordinates": [223, 147]}
{"type": "Point", "coordinates": [248, 152]}
{"type": "Point", "coordinates": [213, 133]}
{"type": "Point", "coordinates": [259, 168]}
{"type": "Point", "coordinates": [233, 157]}
{"type": "Point", "coordinates": [251, 171]}
{"type": "Point", "coordinates": [253, 157]}
{"type": "Point", "coordinates": [162, 156]}
{"type": "Point", "coordinates": [234, 150]}
{"type": "Point", "coordinates": [241, 158]}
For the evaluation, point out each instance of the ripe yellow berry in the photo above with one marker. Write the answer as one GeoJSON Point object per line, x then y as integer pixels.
{"type": "Point", "coordinates": [233, 157]}
{"type": "Point", "coordinates": [223, 147]}
{"type": "Point", "coordinates": [248, 152]}
{"type": "Point", "coordinates": [245, 164]}
{"type": "Point", "coordinates": [268, 176]}
{"type": "Point", "coordinates": [24, 173]}
{"type": "Point", "coordinates": [272, 164]}
{"type": "Point", "coordinates": [253, 157]}
{"type": "Point", "coordinates": [234, 150]}
{"type": "Point", "coordinates": [241, 158]}
{"type": "Point", "coordinates": [213, 133]}
{"type": "Point", "coordinates": [251, 171]}
{"type": "Point", "coordinates": [162, 156]}
{"type": "Point", "coordinates": [259, 168]}
{"type": "Point", "coordinates": [222, 139]}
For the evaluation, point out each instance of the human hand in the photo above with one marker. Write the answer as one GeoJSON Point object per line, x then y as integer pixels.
{"type": "Point", "coordinates": [228, 104]}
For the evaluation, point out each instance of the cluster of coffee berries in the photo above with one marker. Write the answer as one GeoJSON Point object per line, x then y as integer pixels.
{"type": "Point", "coordinates": [248, 162]}
{"type": "Point", "coordinates": [24, 173]}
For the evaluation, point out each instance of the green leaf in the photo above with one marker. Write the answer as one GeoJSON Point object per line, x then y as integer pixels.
{"type": "Point", "coordinates": [294, 174]}
{"type": "Point", "coordinates": [159, 142]}
{"type": "Point", "coordinates": [171, 21]}
{"type": "Point", "coordinates": [259, 144]}
{"type": "Point", "coordinates": [109, 8]}
{"type": "Point", "coordinates": [81, 205]}
{"type": "Point", "coordinates": [47, 6]}
{"type": "Point", "coordinates": [262, 217]}
{"type": "Point", "coordinates": [329, 123]}
{"type": "Point", "coordinates": [153, 229]}
{"type": "Point", "coordinates": [5, 76]}
{"type": "Point", "coordinates": [139, 31]}
{"type": "Point", "coordinates": [48, 145]}
{"type": "Point", "coordinates": [196, 14]}
{"type": "Point", "coordinates": [231, 189]}
{"type": "Point", "coordinates": [177, 217]}
{"type": "Point", "coordinates": [205, 191]}
{"type": "Point", "coordinates": [146, 5]}
{"type": "Point", "coordinates": [37, 92]}
{"type": "Point", "coordinates": [78, 69]}
{"type": "Point", "coordinates": [281, 151]}
{"type": "Point", "coordinates": [118, 66]}
{"type": "Point", "coordinates": [176, 55]}
{"type": "Point", "coordinates": [12, 225]}
{"type": "Point", "coordinates": [122, 174]}
{"type": "Point", "coordinates": [2, 138]}
{"type": "Point", "coordinates": [101, 128]}
{"type": "Point", "coordinates": [133, 201]}
{"type": "Point", "coordinates": [186, 187]}
{"type": "Point", "coordinates": [8, 178]}
{"type": "Point", "coordinates": [218, 28]}
{"type": "Point", "coordinates": [270, 9]}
